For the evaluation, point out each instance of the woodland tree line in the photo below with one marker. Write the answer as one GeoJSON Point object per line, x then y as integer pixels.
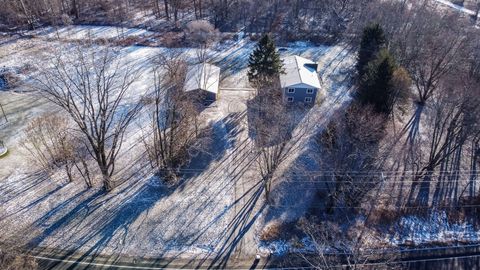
{"type": "Point", "coordinates": [293, 19]}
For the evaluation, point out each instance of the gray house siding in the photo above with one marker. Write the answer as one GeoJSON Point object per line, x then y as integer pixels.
{"type": "Point", "coordinates": [299, 95]}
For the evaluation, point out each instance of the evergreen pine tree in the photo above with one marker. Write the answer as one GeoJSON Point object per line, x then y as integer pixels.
{"type": "Point", "coordinates": [264, 62]}
{"type": "Point", "coordinates": [373, 40]}
{"type": "Point", "coordinates": [376, 87]}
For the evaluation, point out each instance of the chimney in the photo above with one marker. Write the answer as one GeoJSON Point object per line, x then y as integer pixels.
{"type": "Point", "coordinates": [313, 66]}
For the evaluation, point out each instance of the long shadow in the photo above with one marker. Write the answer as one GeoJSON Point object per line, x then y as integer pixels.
{"type": "Point", "coordinates": [12, 190]}
{"type": "Point", "coordinates": [107, 224]}
{"type": "Point", "coordinates": [64, 220]}
{"type": "Point", "coordinates": [474, 164]}
{"type": "Point", "coordinates": [447, 186]}
{"type": "Point", "coordinates": [119, 221]}
{"type": "Point", "coordinates": [234, 62]}
{"type": "Point", "coordinates": [126, 209]}
{"type": "Point", "coordinates": [231, 167]}
{"type": "Point", "coordinates": [412, 129]}
{"type": "Point", "coordinates": [241, 160]}
{"type": "Point", "coordinates": [213, 152]}
{"type": "Point", "coordinates": [224, 132]}
{"type": "Point", "coordinates": [269, 126]}
{"type": "Point", "coordinates": [423, 195]}
{"type": "Point", "coordinates": [35, 202]}
{"type": "Point", "coordinates": [413, 125]}
{"type": "Point", "coordinates": [237, 229]}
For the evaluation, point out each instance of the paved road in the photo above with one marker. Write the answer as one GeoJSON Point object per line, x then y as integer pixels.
{"type": "Point", "coordinates": [457, 7]}
{"type": "Point", "coordinates": [55, 260]}
{"type": "Point", "coordinates": [61, 260]}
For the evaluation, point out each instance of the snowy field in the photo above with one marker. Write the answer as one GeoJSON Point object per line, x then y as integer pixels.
{"type": "Point", "coordinates": [216, 210]}
{"type": "Point", "coordinates": [93, 32]}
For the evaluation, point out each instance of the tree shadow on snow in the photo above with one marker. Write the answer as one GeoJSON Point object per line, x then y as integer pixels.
{"type": "Point", "coordinates": [96, 220]}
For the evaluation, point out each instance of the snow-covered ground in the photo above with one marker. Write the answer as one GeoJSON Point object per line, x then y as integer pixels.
{"type": "Point", "coordinates": [93, 32]}
{"type": "Point", "coordinates": [212, 212]}
{"type": "Point", "coordinates": [216, 210]}
{"type": "Point", "coordinates": [433, 229]}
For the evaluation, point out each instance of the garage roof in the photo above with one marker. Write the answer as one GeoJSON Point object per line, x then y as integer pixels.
{"type": "Point", "coordinates": [202, 76]}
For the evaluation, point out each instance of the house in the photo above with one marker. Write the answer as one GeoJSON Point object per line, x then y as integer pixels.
{"type": "Point", "coordinates": [300, 81]}
{"type": "Point", "coordinates": [203, 79]}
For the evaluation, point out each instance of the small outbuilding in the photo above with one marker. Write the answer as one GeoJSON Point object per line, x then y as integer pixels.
{"type": "Point", "coordinates": [300, 81]}
{"type": "Point", "coordinates": [202, 80]}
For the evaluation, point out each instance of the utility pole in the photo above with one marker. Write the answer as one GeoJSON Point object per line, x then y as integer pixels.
{"type": "Point", "coordinates": [3, 148]}
{"type": "Point", "coordinates": [3, 112]}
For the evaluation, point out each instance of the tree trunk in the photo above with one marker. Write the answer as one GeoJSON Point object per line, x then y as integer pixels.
{"type": "Point", "coordinates": [27, 15]}
{"type": "Point", "coordinates": [175, 14]}
{"type": "Point", "coordinates": [107, 180]}
{"type": "Point", "coordinates": [68, 170]}
{"type": "Point", "coordinates": [195, 9]}
{"type": "Point", "coordinates": [75, 10]}
{"type": "Point", "coordinates": [167, 14]}
{"type": "Point", "coordinates": [157, 7]}
{"type": "Point", "coordinates": [267, 184]}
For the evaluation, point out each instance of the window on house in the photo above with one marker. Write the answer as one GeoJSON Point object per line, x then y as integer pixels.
{"type": "Point", "coordinates": [310, 91]}
{"type": "Point", "coordinates": [290, 99]}
{"type": "Point", "coordinates": [291, 90]}
{"type": "Point", "coordinates": [308, 99]}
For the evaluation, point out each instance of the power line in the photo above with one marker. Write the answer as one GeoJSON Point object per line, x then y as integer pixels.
{"type": "Point", "coordinates": [357, 173]}
{"type": "Point", "coordinates": [360, 207]}
{"type": "Point", "coordinates": [405, 261]}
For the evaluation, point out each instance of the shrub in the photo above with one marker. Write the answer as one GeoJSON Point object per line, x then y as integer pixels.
{"type": "Point", "coordinates": [384, 217]}
{"type": "Point", "coordinates": [271, 231]}
{"type": "Point", "coordinates": [16, 261]}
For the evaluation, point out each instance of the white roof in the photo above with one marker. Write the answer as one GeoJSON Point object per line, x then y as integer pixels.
{"type": "Point", "coordinates": [297, 72]}
{"type": "Point", "coordinates": [202, 76]}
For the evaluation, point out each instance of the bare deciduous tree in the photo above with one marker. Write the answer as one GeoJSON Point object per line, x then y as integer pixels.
{"type": "Point", "coordinates": [336, 248]}
{"type": "Point", "coordinates": [276, 131]}
{"type": "Point", "coordinates": [92, 88]}
{"type": "Point", "coordinates": [429, 44]}
{"type": "Point", "coordinates": [175, 126]}
{"type": "Point", "coordinates": [202, 34]}
{"type": "Point", "coordinates": [451, 122]}
{"type": "Point", "coordinates": [349, 149]}
{"type": "Point", "coordinates": [49, 144]}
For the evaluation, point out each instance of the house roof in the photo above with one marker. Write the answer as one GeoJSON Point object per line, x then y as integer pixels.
{"type": "Point", "coordinates": [299, 70]}
{"type": "Point", "coordinates": [202, 76]}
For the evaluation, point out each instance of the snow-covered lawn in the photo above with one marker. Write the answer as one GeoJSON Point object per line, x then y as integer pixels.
{"type": "Point", "coordinates": [218, 209]}
{"type": "Point", "coordinates": [214, 211]}
{"type": "Point", "coordinates": [76, 32]}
